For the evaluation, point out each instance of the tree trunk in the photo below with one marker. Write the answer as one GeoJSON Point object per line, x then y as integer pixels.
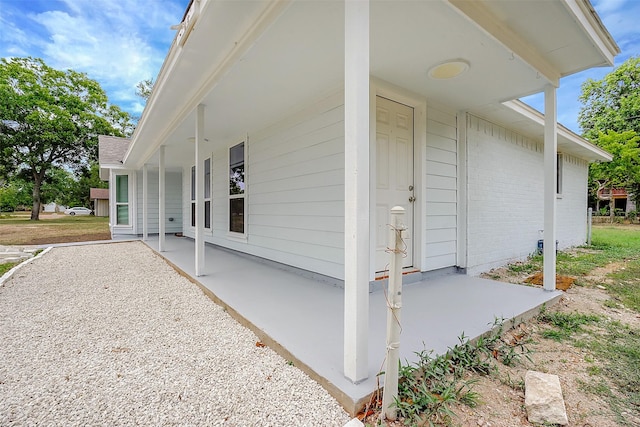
{"type": "Point", "coordinates": [37, 182]}
{"type": "Point", "coordinates": [612, 206]}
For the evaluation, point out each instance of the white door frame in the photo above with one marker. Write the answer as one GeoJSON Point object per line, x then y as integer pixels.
{"type": "Point", "coordinates": [387, 90]}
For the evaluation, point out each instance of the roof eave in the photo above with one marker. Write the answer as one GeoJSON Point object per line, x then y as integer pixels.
{"type": "Point", "coordinates": [596, 153]}
{"type": "Point", "coordinates": [601, 38]}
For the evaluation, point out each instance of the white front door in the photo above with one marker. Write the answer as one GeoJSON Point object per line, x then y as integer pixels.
{"type": "Point", "coordinates": [394, 175]}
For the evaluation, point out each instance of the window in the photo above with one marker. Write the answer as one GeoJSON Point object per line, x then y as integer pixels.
{"type": "Point", "coordinates": [193, 196]}
{"type": "Point", "coordinates": [122, 199]}
{"type": "Point", "coordinates": [207, 193]}
{"type": "Point", "coordinates": [236, 188]}
{"type": "Point", "coordinates": [559, 174]}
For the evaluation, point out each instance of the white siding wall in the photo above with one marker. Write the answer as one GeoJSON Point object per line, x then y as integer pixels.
{"type": "Point", "coordinates": [505, 196]}
{"type": "Point", "coordinates": [295, 192]}
{"type": "Point", "coordinates": [173, 201]}
{"type": "Point", "coordinates": [441, 189]}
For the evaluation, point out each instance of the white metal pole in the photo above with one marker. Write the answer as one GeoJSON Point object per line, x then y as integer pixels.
{"type": "Point", "coordinates": [550, 185]}
{"type": "Point", "coordinates": [589, 224]}
{"type": "Point", "coordinates": [394, 305]}
{"type": "Point", "coordinates": [199, 191]}
{"type": "Point", "coordinates": [356, 192]}
{"type": "Point", "coordinates": [161, 204]}
{"type": "Point", "coordinates": [145, 202]}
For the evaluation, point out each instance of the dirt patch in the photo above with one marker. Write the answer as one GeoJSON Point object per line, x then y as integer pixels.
{"type": "Point", "coordinates": [68, 239]}
{"type": "Point", "coordinates": [501, 394]}
{"type": "Point", "coordinates": [54, 228]}
{"type": "Point", "coordinates": [562, 282]}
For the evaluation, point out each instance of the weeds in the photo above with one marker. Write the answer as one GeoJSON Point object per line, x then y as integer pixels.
{"type": "Point", "coordinates": [566, 324]}
{"type": "Point", "coordinates": [428, 388]}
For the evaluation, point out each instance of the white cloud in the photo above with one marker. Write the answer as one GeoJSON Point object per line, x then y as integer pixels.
{"type": "Point", "coordinates": [117, 43]}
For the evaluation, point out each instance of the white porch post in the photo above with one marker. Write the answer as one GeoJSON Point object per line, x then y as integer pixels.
{"type": "Point", "coordinates": [356, 183]}
{"type": "Point", "coordinates": [550, 182]}
{"type": "Point", "coordinates": [161, 203]}
{"type": "Point", "coordinates": [145, 202]}
{"type": "Point", "coordinates": [199, 191]}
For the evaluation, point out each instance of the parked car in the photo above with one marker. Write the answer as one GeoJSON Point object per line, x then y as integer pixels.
{"type": "Point", "coordinates": [78, 210]}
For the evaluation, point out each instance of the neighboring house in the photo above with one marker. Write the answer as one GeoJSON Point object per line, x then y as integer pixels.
{"type": "Point", "coordinates": [288, 130]}
{"type": "Point", "coordinates": [100, 199]}
{"type": "Point", "coordinates": [619, 196]}
{"type": "Point", "coordinates": [53, 207]}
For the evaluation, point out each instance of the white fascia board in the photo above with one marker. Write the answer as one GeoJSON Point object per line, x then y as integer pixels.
{"type": "Point", "coordinates": [271, 11]}
{"type": "Point", "coordinates": [538, 118]}
{"type": "Point", "coordinates": [478, 14]}
{"type": "Point", "coordinates": [589, 20]}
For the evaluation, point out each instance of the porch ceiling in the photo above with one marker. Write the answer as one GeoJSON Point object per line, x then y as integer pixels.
{"type": "Point", "coordinates": [298, 58]}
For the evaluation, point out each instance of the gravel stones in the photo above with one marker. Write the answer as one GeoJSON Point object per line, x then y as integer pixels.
{"type": "Point", "coordinates": [112, 335]}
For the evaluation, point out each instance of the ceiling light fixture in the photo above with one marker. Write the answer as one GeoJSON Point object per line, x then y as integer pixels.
{"type": "Point", "coordinates": [448, 69]}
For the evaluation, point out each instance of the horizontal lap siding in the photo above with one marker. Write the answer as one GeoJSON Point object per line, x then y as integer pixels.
{"type": "Point", "coordinates": [173, 201]}
{"type": "Point", "coordinates": [296, 199]}
{"type": "Point", "coordinates": [295, 192]}
{"type": "Point", "coordinates": [505, 195]}
{"type": "Point", "coordinates": [441, 190]}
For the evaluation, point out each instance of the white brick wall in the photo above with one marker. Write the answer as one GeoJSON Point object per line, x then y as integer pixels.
{"type": "Point", "coordinates": [505, 196]}
{"type": "Point", "coordinates": [572, 203]}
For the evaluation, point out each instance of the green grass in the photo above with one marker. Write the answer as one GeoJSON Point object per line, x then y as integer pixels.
{"type": "Point", "coordinates": [617, 347]}
{"type": "Point", "coordinates": [626, 285]}
{"type": "Point", "coordinates": [613, 348]}
{"type": "Point", "coordinates": [565, 324]}
{"type": "Point", "coordinates": [6, 267]}
{"type": "Point", "coordinates": [608, 244]}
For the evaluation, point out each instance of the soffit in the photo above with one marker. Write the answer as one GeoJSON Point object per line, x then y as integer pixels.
{"type": "Point", "coordinates": [298, 59]}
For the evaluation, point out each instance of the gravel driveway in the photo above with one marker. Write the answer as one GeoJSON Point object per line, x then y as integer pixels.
{"type": "Point", "coordinates": [112, 335]}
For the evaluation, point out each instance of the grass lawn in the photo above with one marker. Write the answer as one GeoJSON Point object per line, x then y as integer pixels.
{"type": "Point", "coordinates": [6, 267]}
{"type": "Point", "coordinates": [615, 375]}
{"type": "Point", "coordinates": [18, 229]}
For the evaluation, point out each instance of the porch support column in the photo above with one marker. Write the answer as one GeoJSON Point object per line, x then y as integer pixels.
{"type": "Point", "coordinates": [145, 202]}
{"type": "Point", "coordinates": [356, 183]}
{"type": "Point", "coordinates": [161, 197]}
{"type": "Point", "coordinates": [550, 182]}
{"type": "Point", "coordinates": [199, 191]}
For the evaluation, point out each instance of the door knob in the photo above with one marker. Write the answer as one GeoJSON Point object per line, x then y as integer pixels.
{"type": "Point", "coordinates": [412, 199]}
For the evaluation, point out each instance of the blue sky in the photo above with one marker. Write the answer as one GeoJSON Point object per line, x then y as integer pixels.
{"type": "Point", "coordinates": [122, 42]}
{"type": "Point", "coordinates": [621, 19]}
{"type": "Point", "coordinates": [116, 42]}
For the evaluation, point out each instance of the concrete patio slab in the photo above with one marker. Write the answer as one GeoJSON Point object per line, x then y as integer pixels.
{"type": "Point", "coordinates": [302, 318]}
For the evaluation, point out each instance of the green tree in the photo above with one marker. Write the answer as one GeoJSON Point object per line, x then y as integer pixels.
{"type": "Point", "coordinates": [88, 178]}
{"type": "Point", "coordinates": [144, 88]}
{"type": "Point", "coordinates": [58, 187]}
{"type": "Point", "coordinates": [51, 118]}
{"type": "Point", "coordinates": [15, 193]}
{"type": "Point", "coordinates": [610, 118]}
{"type": "Point", "coordinates": [612, 103]}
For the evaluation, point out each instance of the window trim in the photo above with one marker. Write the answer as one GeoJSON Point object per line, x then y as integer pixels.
{"type": "Point", "coordinates": [234, 234]}
{"type": "Point", "coordinates": [192, 195]}
{"type": "Point", "coordinates": [559, 174]}
{"type": "Point", "coordinates": [210, 198]}
{"type": "Point", "coordinates": [130, 195]}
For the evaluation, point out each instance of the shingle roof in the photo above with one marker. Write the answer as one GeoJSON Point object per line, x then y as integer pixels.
{"type": "Point", "coordinates": [99, 193]}
{"type": "Point", "coordinates": [111, 149]}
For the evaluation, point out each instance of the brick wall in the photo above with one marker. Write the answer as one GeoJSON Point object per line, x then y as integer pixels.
{"type": "Point", "coordinates": [505, 196]}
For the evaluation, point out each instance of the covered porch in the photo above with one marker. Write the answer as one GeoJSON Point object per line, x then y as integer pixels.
{"type": "Point", "coordinates": [303, 319]}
